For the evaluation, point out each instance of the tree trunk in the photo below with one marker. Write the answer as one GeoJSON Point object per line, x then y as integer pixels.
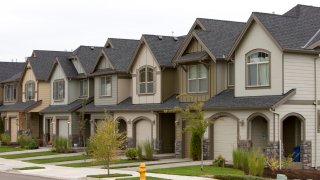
{"type": "Point", "coordinates": [108, 166]}
{"type": "Point", "coordinates": [201, 152]}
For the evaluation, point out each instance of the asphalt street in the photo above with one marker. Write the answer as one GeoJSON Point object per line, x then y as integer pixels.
{"type": "Point", "coordinates": [9, 176]}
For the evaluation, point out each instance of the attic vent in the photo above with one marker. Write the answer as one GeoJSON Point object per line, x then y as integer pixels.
{"type": "Point", "coordinates": [175, 38]}
{"type": "Point", "coordinates": [160, 37]}
{"type": "Point", "coordinates": [92, 48]}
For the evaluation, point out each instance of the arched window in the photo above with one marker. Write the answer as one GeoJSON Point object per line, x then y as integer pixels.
{"type": "Point", "coordinates": [30, 90]}
{"type": "Point", "coordinates": [146, 80]}
{"type": "Point", "coordinates": [258, 68]}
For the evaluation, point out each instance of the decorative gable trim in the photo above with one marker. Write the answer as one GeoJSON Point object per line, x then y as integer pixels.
{"type": "Point", "coordinates": [102, 53]}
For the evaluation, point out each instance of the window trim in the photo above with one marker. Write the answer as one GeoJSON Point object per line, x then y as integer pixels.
{"type": "Point", "coordinates": [100, 94]}
{"type": "Point", "coordinates": [81, 88]}
{"type": "Point", "coordinates": [26, 90]}
{"type": "Point", "coordinates": [64, 90]}
{"type": "Point", "coordinates": [154, 73]}
{"type": "Point", "coordinates": [234, 74]}
{"type": "Point", "coordinates": [12, 99]}
{"type": "Point", "coordinates": [246, 69]}
{"type": "Point", "coordinates": [197, 79]}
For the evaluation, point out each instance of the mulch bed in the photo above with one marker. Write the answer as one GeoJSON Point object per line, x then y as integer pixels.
{"type": "Point", "coordinates": [302, 174]}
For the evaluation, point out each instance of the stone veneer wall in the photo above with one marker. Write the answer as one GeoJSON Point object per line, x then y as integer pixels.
{"type": "Point", "coordinates": [178, 148]}
{"type": "Point", "coordinates": [244, 144]}
{"type": "Point", "coordinates": [130, 142]}
{"type": "Point", "coordinates": [306, 154]}
{"type": "Point", "coordinates": [206, 149]}
{"type": "Point", "coordinates": [272, 150]}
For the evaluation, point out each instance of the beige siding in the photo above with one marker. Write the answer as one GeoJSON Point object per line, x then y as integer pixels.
{"type": "Point", "coordinates": [299, 74]}
{"type": "Point", "coordinates": [100, 100]}
{"type": "Point", "coordinates": [257, 38]}
{"type": "Point", "coordinates": [104, 63]}
{"type": "Point", "coordinates": [73, 90]}
{"type": "Point", "coordinates": [194, 46]}
{"type": "Point", "coordinates": [29, 76]}
{"type": "Point", "coordinates": [59, 74]}
{"type": "Point", "coordinates": [44, 96]}
{"type": "Point", "coordinates": [169, 83]}
{"type": "Point", "coordinates": [221, 76]}
{"type": "Point", "coordinates": [124, 89]}
{"type": "Point", "coordinates": [143, 58]}
{"type": "Point", "coordinates": [78, 66]}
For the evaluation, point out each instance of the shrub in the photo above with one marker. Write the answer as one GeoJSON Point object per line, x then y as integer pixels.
{"type": "Point", "coordinates": [139, 152]}
{"type": "Point", "coordinates": [240, 159]}
{"type": "Point", "coordinates": [256, 162]}
{"type": "Point", "coordinates": [131, 153]}
{"type": "Point", "coordinates": [237, 177]}
{"type": "Point", "coordinates": [148, 149]}
{"type": "Point", "coordinates": [61, 145]}
{"type": "Point", "coordinates": [27, 142]}
{"type": "Point", "coordinates": [6, 139]}
{"type": "Point", "coordinates": [273, 163]}
{"type": "Point", "coordinates": [219, 161]}
{"type": "Point", "coordinates": [195, 146]}
{"type": "Point", "coordinates": [287, 161]}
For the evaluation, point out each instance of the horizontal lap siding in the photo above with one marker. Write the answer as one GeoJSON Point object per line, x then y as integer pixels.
{"type": "Point", "coordinates": [99, 100]}
{"type": "Point", "coordinates": [44, 96]}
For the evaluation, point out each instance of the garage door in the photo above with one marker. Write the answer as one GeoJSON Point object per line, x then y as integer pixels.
{"type": "Point", "coordinates": [13, 129]}
{"type": "Point", "coordinates": [63, 128]}
{"type": "Point", "coordinates": [225, 137]}
{"type": "Point", "coordinates": [143, 132]}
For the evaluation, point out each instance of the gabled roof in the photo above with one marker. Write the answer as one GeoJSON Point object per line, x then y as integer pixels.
{"type": "Point", "coordinates": [87, 56]}
{"type": "Point", "coordinates": [292, 31]}
{"type": "Point", "coordinates": [163, 48]}
{"type": "Point", "coordinates": [13, 78]}
{"type": "Point", "coordinates": [10, 70]}
{"type": "Point", "coordinates": [67, 66]}
{"type": "Point", "coordinates": [227, 100]}
{"type": "Point", "coordinates": [42, 62]}
{"type": "Point", "coordinates": [119, 54]}
{"type": "Point", "coordinates": [19, 106]}
{"type": "Point", "coordinates": [66, 108]}
{"type": "Point", "coordinates": [216, 36]}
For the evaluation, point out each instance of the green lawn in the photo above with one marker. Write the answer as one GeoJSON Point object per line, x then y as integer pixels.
{"type": "Point", "coordinates": [25, 155]}
{"type": "Point", "coordinates": [137, 178]}
{"type": "Point", "coordinates": [195, 171]}
{"type": "Point", "coordinates": [29, 168]}
{"type": "Point", "coordinates": [108, 176]}
{"type": "Point", "coordinates": [58, 159]}
{"type": "Point", "coordinates": [98, 163]}
{"type": "Point", "coordinates": [9, 149]}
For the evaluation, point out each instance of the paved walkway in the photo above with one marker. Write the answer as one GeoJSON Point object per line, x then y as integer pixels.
{"type": "Point", "coordinates": [41, 149]}
{"type": "Point", "coordinates": [59, 172]}
{"type": "Point", "coordinates": [50, 156]}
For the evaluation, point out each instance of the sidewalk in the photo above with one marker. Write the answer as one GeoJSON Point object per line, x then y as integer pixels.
{"type": "Point", "coordinates": [77, 173]}
{"type": "Point", "coordinates": [50, 156]}
{"type": "Point", "coordinates": [41, 149]}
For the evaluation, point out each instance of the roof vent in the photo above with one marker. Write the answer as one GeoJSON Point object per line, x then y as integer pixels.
{"type": "Point", "coordinates": [175, 38]}
{"type": "Point", "coordinates": [92, 47]}
{"type": "Point", "coordinates": [160, 37]}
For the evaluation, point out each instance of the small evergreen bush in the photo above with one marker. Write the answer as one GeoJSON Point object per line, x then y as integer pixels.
{"type": "Point", "coordinates": [131, 153]}
{"type": "Point", "coordinates": [5, 139]}
{"type": "Point", "coordinates": [27, 142]}
{"type": "Point", "coordinates": [219, 161]}
{"type": "Point", "coordinates": [195, 146]}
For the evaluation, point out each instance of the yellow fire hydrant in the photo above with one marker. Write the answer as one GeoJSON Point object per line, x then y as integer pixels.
{"type": "Point", "coordinates": [142, 170]}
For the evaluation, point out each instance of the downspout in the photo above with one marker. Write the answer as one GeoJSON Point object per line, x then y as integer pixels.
{"type": "Point", "coordinates": [272, 110]}
{"type": "Point", "coordinates": [316, 110]}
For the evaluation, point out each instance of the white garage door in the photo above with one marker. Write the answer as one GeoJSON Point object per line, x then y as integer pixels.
{"type": "Point", "coordinates": [225, 137]}
{"type": "Point", "coordinates": [63, 128]}
{"type": "Point", "coordinates": [143, 132]}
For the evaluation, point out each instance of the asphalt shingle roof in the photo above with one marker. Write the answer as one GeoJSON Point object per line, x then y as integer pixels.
{"type": "Point", "coordinates": [43, 62]}
{"type": "Point", "coordinates": [65, 108]}
{"type": "Point", "coordinates": [163, 48]}
{"type": "Point", "coordinates": [13, 78]}
{"type": "Point", "coordinates": [226, 100]}
{"type": "Point", "coordinates": [88, 56]}
{"type": "Point", "coordinates": [294, 29]}
{"type": "Point", "coordinates": [190, 57]}
{"type": "Point", "coordinates": [10, 69]}
{"type": "Point", "coordinates": [67, 67]}
{"type": "Point", "coordinates": [19, 106]}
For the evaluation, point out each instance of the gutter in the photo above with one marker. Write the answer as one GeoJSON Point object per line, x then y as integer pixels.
{"type": "Point", "coordinates": [279, 134]}
{"type": "Point", "coordinates": [316, 108]}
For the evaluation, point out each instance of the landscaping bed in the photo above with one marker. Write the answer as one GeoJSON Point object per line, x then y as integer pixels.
{"type": "Point", "coordinates": [294, 173]}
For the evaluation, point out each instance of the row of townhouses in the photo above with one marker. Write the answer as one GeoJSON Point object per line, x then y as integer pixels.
{"type": "Point", "coordinates": [259, 81]}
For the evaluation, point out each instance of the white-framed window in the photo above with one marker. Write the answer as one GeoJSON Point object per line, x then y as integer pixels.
{"type": "Point", "coordinates": [197, 78]}
{"type": "Point", "coordinates": [258, 69]}
{"type": "Point", "coordinates": [84, 86]}
{"type": "Point", "coordinates": [231, 74]}
{"type": "Point", "coordinates": [105, 86]}
{"type": "Point", "coordinates": [30, 90]}
{"type": "Point", "coordinates": [146, 80]}
{"type": "Point", "coordinates": [10, 93]}
{"type": "Point", "coordinates": [58, 90]}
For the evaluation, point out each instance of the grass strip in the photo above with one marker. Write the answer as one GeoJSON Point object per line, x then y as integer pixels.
{"type": "Point", "coordinates": [9, 149]}
{"type": "Point", "coordinates": [97, 163]}
{"type": "Point", "coordinates": [108, 175]}
{"type": "Point", "coordinates": [137, 178]}
{"type": "Point", "coordinates": [25, 155]}
{"type": "Point", "coordinates": [57, 159]}
{"type": "Point", "coordinates": [29, 168]}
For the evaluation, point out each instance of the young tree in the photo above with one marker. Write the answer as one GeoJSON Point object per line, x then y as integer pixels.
{"type": "Point", "coordinates": [106, 142]}
{"type": "Point", "coordinates": [83, 123]}
{"type": "Point", "coordinates": [196, 122]}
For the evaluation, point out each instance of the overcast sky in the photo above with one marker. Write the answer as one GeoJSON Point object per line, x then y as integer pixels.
{"type": "Point", "coordinates": [65, 24]}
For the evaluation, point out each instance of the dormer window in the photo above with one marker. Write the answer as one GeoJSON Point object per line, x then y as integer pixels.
{"type": "Point", "coordinates": [146, 80]}
{"type": "Point", "coordinates": [58, 90]}
{"type": "Point", "coordinates": [197, 78]}
{"type": "Point", "coordinates": [258, 69]}
{"type": "Point", "coordinates": [105, 86]}
{"type": "Point", "coordinates": [84, 88]}
{"type": "Point", "coordinates": [30, 90]}
{"type": "Point", "coordinates": [10, 93]}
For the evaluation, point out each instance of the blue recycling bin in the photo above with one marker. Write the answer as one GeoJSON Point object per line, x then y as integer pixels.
{"type": "Point", "coordinates": [296, 154]}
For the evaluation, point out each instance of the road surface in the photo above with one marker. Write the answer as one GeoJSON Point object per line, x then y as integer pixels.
{"type": "Point", "coordinates": [9, 176]}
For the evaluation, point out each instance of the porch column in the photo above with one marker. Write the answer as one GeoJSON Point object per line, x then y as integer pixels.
{"type": "Point", "coordinates": [179, 137]}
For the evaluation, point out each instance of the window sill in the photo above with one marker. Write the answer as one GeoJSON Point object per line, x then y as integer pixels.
{"type": "Point", "coordinates": [105, 96]}
{"type": "Point", "coordinates": [146, 94]}
{"type": "Point", "coordinates": [258, 87]}
{"type": "Point", "coordinates": [60, 100]}
{"type": "Point", "coordinates": [198, 93]}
